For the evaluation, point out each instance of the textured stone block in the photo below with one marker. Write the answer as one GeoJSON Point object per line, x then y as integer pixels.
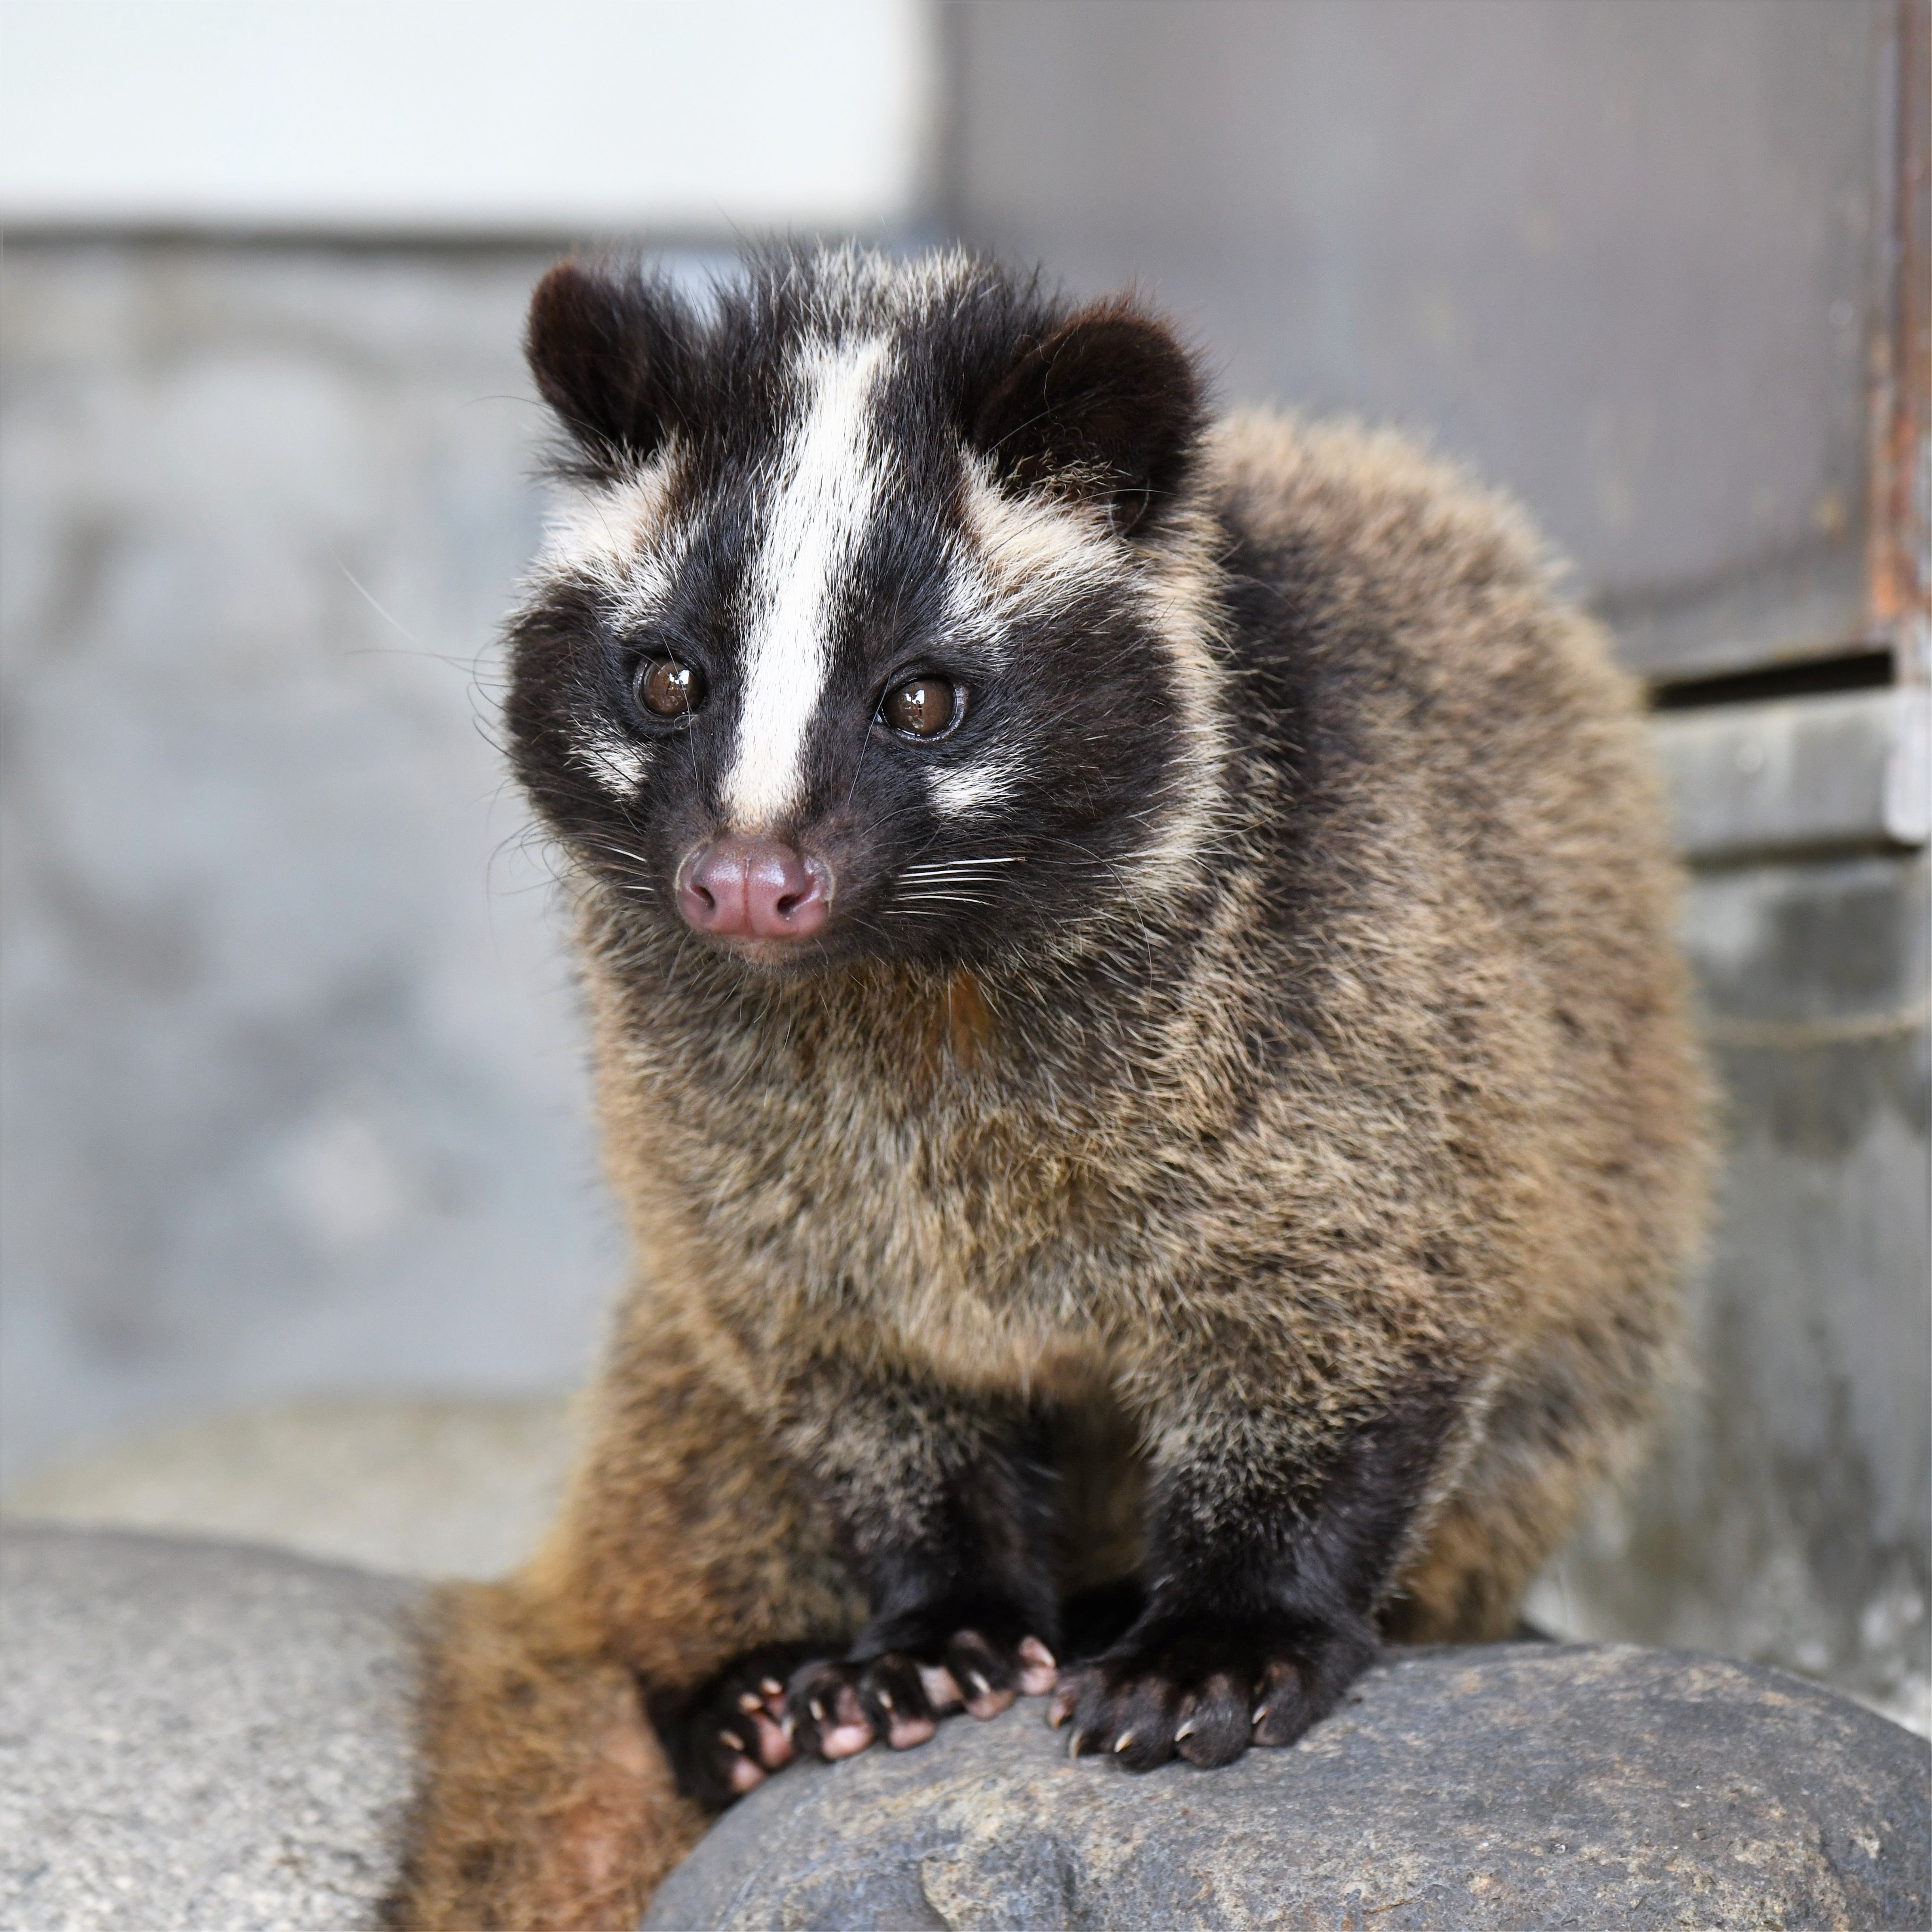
{"type": "Point", "coordinates": [1521, 1786]}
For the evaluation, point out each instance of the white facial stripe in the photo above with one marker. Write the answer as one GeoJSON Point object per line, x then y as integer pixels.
{"type": "Point", "coordinates": [1032, 557]}
{"type": "Point", "coordinates": [1182, 603]}
{"type": "Point", "coordinates": [827, 490]}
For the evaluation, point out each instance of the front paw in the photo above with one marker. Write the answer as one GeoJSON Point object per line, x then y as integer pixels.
{"type": "Point", "coordinates": [1204, 1687]}
{"type": "Point", "coordinates": [899, 1693]}
{"type": "Point", "coordinates": [735, 1734]}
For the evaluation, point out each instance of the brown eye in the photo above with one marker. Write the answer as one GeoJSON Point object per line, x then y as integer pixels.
{"type": "Point", "coordinates": [668, 689]}
{"type": "Point", "coordinates": [921, 707]}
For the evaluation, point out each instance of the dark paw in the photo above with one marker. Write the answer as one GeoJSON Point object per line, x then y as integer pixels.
{"type": "Point", "coordinates": [901, 1679]}
{"type": "Point", "coordinates": [1204, 1687]}
{"type": "Point", "coordinates": [736, 1735]}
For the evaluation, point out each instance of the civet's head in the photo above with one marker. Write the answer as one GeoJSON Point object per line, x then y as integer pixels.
{"type": "Point", "coordinates": [875, 620]}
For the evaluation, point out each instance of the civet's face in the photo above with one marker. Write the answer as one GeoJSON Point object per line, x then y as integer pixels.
{"type": "Point", "coordinates": [868, 626]}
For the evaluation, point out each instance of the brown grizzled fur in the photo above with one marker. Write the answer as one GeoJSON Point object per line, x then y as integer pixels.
{"type": "Point", "coordinates": [1356, 1189]}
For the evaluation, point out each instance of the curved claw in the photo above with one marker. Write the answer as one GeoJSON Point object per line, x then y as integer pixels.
{"type": "Point", "coordinates": [1204, 1689]}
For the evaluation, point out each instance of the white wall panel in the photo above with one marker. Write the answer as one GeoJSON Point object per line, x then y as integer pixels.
{"type": "Point", "coordinates": [479, 116]}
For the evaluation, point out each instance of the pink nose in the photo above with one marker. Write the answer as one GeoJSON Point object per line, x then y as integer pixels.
{"type": "Point", "coordinates": [753, 889]}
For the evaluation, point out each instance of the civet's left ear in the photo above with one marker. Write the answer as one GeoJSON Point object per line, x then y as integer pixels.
{"type": "Point", "coordinates": [1109, 404]}
{"type": "Point", "coordinates": [610, 350]}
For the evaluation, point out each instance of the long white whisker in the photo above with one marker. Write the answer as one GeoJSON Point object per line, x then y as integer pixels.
{"type": "Point", "coordinates": [923, 874]}
{"type": "Point", "coordinates": [950, 864]}
{"type": "Point", "coordinates": [620, 851]}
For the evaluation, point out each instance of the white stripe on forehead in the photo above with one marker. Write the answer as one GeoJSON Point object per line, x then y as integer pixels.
{"type": "Point", "coordinates": [828, 487]}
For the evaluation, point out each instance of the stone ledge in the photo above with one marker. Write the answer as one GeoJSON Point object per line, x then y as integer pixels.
{"type": "Point", "coordinates": [1519, 1786]}
{"type": "Point", "coordinates": [200, 1737]}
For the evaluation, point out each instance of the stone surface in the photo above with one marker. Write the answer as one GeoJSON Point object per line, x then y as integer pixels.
{"type": "Point", "coordinates": [1528, 1787]}
{"type": "Point", "coordinates": [196, 1737]}
{"type": "Point", "coordinates": [1784, 1515]}
{"type": "Point", "coordinates": [1846, 770]}
{"type": "Point", "coordinates": [448, 1488]}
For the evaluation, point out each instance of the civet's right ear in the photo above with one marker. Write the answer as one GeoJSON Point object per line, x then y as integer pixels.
{"type": "Point", "coordinates": [606, 351]}
{"type": "Point", "coordinates": [1109, 403]}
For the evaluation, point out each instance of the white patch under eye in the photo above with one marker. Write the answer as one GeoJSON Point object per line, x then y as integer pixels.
{"type": "Point", "coordinates": [957, 792]}
{"type": "Point", "coordinates": [616, 763]}
{"type": "Point", "coordinates": [828, 487]}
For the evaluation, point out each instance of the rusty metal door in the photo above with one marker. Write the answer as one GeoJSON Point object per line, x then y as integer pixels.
{"type": "Point", "coordinates": [1664, 271]}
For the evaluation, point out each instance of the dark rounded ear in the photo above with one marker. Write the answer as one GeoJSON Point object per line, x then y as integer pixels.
{"type": "Point", "coordinates": [1109, 403]}
{"type": "Point", "coordinates": [607, 354]}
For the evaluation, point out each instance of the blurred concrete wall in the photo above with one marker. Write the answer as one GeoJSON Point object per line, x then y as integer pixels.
{"type": "Point", "coordinates": [293, 1085]}
{"type": "Point", "coordinates": [1612, 254]}
{"type": "Point", "coordinates": [1785, 1517]}
{"type": "Point", "coordinates": [291, 1090]}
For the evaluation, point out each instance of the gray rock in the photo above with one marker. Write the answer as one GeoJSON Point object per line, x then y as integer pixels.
{"type": "Point", "coordinates": [197, 1735]}
{"type": "Point", "coordinates": [1526, 1786]}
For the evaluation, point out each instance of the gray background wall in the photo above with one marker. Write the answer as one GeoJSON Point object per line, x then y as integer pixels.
{"type": "Point", "coordinates": [1632, 260]}
{"type": "Point", "coordinates": [292, 1091]}
{"type": "Point", "coordinates": [1612, 253]}
{"type": "Point", "coordinates": [292, 1096]}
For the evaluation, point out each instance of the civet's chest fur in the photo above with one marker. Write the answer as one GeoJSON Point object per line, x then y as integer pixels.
{"type": "Point", "coordinates": [1098, 924]}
